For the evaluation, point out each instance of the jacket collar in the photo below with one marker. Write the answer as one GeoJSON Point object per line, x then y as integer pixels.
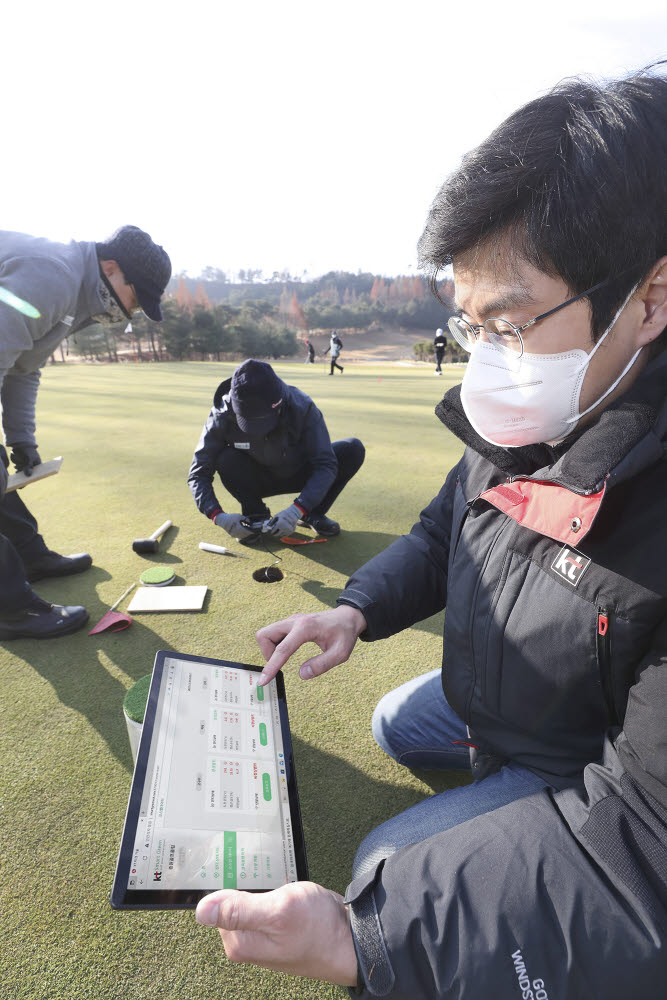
{"type": "Point", "coordinates": [629, 435]}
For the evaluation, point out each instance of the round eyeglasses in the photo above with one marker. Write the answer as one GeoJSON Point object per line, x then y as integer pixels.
{"type": "Point", "coordinates": [499, 332]}
{"type": "Point", "coordinates": [502, 333]}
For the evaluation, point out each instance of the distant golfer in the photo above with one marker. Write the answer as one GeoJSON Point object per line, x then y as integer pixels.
{"type": "Point", "coordinates": [310, 359]}
{"type": "Point", "coordinates": [266, 438]}
{"type": "Point", "coordinates": [335, 346]}
{"type": "Point", "coordinates": [439, 343]}
{"type": "Point", "coordinates": [47, 292]}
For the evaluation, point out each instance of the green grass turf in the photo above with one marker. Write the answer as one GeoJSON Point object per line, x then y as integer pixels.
{"type": "Point", "coordinates": [127, 434]}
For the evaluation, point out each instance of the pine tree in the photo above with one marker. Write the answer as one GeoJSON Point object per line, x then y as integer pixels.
{"type": "Point", "coordinates": [296, 314]}
{"type": "Point", "coordinates": [183, 295]}
{"type": "Point", "coordinates": [201, 298]}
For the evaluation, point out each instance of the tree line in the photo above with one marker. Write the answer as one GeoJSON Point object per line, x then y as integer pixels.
{"type": "Point", "coordinates": [211, 316]}
{"type": "Point", "coordinates": [336, 300]}
{"type": "Point", "coordinates": [202, 333]}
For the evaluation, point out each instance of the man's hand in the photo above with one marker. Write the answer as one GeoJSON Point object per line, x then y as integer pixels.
{"type": "Point", "coordinates": [334, 631]}
{"type": "Point", "coordinates": [232, 524]}
{"type": "Point", "coordinates": [300, 928]}
{"type": "Point", "coordinates": [25, 457]}
{"type": "Point", "coordinates": [284, 522]}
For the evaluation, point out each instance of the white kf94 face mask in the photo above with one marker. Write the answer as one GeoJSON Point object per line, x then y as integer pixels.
{"type": "Point", "coordinates": [512, 401]}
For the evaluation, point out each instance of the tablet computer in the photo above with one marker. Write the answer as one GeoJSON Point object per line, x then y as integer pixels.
{"type": "Point", "coordinates": [214, 802]}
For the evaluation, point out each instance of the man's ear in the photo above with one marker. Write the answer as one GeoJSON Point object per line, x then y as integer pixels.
{"type": "Point", "coordinates": [653, 294]}
{"type": "Point", "coordinates": [109, 267]}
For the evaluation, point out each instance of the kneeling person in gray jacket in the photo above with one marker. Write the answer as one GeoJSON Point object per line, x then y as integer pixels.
{"type": "Point", "coordinates": [263, 438]}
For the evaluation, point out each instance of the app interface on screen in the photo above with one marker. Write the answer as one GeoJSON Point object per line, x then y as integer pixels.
{"type": "Point", "coordinates": [215, 809]}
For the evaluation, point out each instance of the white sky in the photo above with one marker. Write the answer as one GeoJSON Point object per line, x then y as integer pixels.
{"type": "Point", "coordinates": [302, 134]}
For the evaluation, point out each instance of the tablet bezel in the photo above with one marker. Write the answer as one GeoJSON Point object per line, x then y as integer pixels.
{"type": "Point", "coordinates": [123, 898]}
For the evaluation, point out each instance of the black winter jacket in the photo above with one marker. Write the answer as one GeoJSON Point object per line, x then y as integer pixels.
{"type": "Point", "coordinates": [552, 635]}
{"type": "Point", "coordinates": [553, 576]}
{"type": "Point", "coordinates": [300, 441]}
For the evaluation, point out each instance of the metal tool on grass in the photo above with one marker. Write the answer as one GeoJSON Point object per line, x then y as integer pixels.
{"type": "Point", "coordinates": [114, 620]}
{"type": "Point", "coordinates": [151, 544]}
{"type": "Point", "coordinates": [221, 550]}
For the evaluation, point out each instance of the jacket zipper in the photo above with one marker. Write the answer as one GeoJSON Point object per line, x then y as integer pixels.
{"type": "Point", "coordinates": [473, 663]}
{"type": "Point", "coordinates": [464, 518]}
{"type": "Point", "coordinates": [558, 482]}
{"type": "Point", "coordinates": [603, 643]}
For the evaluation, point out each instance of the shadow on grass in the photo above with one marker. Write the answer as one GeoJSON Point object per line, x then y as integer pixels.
{"type": "Point", "coordinates": [345, 554]}
{"type": "Point", "coordinates": [91, 673]}
{"type": "Point", "coordinates": [340, 805]}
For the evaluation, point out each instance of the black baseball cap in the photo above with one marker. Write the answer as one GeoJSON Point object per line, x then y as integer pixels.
{"type": "Point", "coordinates": [256, 395]}
{"type": "Point", "coordinates": [145, 265]}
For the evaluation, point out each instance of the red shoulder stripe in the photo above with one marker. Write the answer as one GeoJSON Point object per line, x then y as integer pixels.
{"type": "Point", "coordinates": [547, 508]}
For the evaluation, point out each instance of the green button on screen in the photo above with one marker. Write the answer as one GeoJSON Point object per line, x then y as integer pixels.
{"type": "Point", "coordinates": [260, 694]}
{"type": "Point", "coordinates": [263, 738]}
{"type": "Point", "coordinates": [266, 781]}
{"type": "Point", "coordinates": [229, 860]}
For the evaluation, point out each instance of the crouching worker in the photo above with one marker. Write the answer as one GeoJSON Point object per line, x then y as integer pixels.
{"type": "Point", "coordinates": [265, 438]}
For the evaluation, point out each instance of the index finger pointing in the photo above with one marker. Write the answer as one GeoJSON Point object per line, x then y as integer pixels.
{"type": "Point", "coordinates": [269, 637]}
{"type": "Point", "coordinates": [291, 641]}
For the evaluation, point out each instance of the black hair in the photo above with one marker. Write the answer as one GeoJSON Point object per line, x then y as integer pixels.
{"type": "Point", "coordinates": [574, 183]}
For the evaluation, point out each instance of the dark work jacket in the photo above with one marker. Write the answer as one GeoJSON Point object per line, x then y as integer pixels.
{"type": "Point", "coordinates": [552, 568]}
{"type": "Point", "coordinates": [561, 895]}
{"type": "Point", "coordinates": [556, 896]}
{"type": "Point", "coordinates": [300, 441]}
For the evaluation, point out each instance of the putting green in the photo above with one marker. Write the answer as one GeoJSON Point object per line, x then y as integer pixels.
{"type": "Point", "coordinates": [157, 576]}
{"type": "Point", "coordinates": [127, 434]}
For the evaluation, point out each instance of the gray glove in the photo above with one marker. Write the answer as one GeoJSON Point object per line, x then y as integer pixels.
{"type": "Point", "coordinates": [25, 457]}
{"type": "Point", "coordinates": [284, 522]}
{"type": "Point", "coordinates": [232, 524]}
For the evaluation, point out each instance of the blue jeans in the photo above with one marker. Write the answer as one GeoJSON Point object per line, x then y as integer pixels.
{"type": "Point", "coordinates": [416, 726]}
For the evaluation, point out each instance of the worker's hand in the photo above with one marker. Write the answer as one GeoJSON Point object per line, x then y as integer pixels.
{"type": "Point", "coordinates": [25, 457]}
{"type": "Point", "coordinates": [232, 524]}
{"type": "Point", "coordinates": [284, 522]}
{"type": "Point", "coordinates": [335, 631]}
{"type": "Point", "coordinates": [300, 928]}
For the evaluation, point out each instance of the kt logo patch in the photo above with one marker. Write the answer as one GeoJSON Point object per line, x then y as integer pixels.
{"type": "Point", "coordinates": [570, 565]}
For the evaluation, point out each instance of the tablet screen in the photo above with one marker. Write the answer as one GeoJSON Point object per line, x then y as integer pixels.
{"type": "Point", "coordinates": [213, 803]}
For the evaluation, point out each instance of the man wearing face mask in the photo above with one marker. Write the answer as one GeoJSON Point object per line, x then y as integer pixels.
{"type": "Point", "coordinates": [49, 291]}
{"type": "Point", "coordinates": [547, 876]}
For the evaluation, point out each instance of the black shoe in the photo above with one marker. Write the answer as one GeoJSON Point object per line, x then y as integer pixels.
{"type": "Point", "coordinates": [255, 525]}
{"type": "Point", "coordinates": [322, 524]}
{"type": "Point", "coordinates": [41, 620]}
{"type": "Point", "coordinates": [53, 564]}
